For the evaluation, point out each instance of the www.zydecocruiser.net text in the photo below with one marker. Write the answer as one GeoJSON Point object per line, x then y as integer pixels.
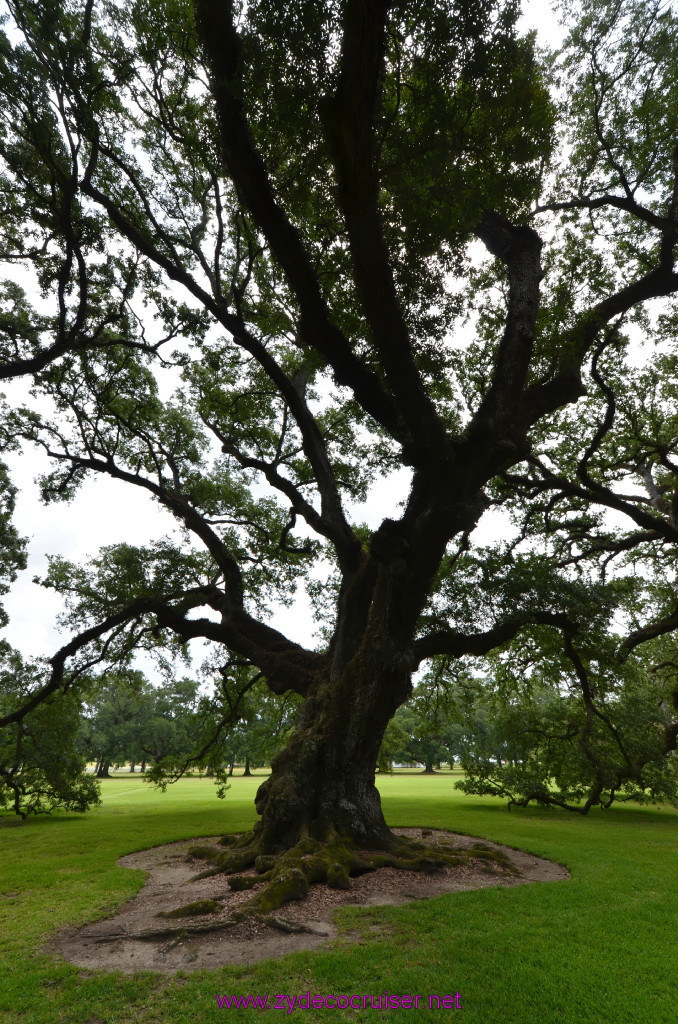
{"type": "Point", "coordinates": [306, 1001]}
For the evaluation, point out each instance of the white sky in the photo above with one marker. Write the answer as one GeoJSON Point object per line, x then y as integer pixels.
{"type": "Point", "coordinates": [108, 512]}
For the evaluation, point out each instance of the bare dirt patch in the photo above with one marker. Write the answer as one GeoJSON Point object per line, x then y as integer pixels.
{"type": "Point", "coordinates": [137, 938]}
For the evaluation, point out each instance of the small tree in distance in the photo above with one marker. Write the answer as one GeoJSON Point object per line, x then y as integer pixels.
{"type": "Point", "coordinates": [117, 719]}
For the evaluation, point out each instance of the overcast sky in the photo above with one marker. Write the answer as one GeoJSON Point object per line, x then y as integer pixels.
{"type": "Point", "coordinates": [108, 512]}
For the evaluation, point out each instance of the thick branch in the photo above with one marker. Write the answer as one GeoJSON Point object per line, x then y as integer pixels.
{"type": "Point", "coordinates": [221, 44]}
{"type": "Point", "coordinates": [519, 248]}
{"type": "Point", "coordinates": [286, 665]}
{"type": "Point", "coordinates": [566, 385]}
{"type": "Point", "coordinates": [652, 630]}
{"type": "Point", "coordinates": [625, 203]}
{"type": "Point", "coordinates": [350, 121]}
{"type": "Point", "coordinates": [458, 644]}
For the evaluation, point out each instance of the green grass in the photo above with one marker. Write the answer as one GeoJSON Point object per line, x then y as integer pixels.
{"type": "Point", "coordinates": [601, 948]}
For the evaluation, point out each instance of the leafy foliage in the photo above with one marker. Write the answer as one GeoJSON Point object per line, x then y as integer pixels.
{"type": "Point", "coordinates": [541, 749]}
{"type": "Point", "coordinates": [41, 768]}
{"type": "Point", "coordinates": [12, 546]}
{"type": "Point", "coordinates": [573, 727]}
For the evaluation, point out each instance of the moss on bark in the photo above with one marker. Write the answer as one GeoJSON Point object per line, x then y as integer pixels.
{"type": "Point", "coordinates": [286, 877]}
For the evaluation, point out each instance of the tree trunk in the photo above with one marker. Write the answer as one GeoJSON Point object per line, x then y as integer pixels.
{"type": "Point", "coordinates": [102, 771]}
{"type": "Point", "coordinates": [132, 766]}
{"type": "Point", "coordinates": [230, 768]}
{"type": "Point", "coordinates": [322, 785]}
{"type": "Point", "coordinates": [247, 767]}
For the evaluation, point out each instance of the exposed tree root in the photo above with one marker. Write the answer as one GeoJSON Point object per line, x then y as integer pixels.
{"type": "Point", "coordinates": [151, 934]}
{"type": "Point", "coordinates": [287, 876]}
{"type": "Point", "coordinates": [193, 909]}
{"type": "Point", "coordinates": [173, 936]}
{"type": "Point", "coordinates": [178, 934]}
{"type": "Point", "coordinates": [280, 878]}
{"type": "Point", "coordinates": [284, 924]}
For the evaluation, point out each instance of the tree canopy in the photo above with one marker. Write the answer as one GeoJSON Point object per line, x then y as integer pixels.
{"type": "Point", "coordinates": [41, 767]}
{"type": "Point", "coordinates": [280, 250]}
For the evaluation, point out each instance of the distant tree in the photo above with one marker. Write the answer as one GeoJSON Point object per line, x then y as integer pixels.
{"type": "Point", "coordinates": [394, 744]}
{"type": "Point", "coordinates": [422, 727]}
{"type": "Point", "coordinates": [129, 720]}
{"type": "Point", "coordinates": [170, 729]}
{"type": "Point", "coordinates": [422, 743]}
{"type": "Point", "coordinates": [117, 719]}
{"type": "Point", "coordinates": [41, 768]}
{"type": "Point", "coordinates": [253, 728]}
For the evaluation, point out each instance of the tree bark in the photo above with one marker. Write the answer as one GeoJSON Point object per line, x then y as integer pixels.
{"type": "Point", "coordinates": [102, 771]}
{"type": "Point", "coordinates": [247, 767]}
{"type": "Point", "coordinates": [322, 785]}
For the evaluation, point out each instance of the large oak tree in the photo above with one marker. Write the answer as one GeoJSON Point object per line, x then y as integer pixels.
{"type": "Point", "coordinates": [296, 194]}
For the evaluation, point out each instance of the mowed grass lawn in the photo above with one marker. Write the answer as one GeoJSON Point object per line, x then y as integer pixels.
{"type": "Point", "coordinates": [602, 947]}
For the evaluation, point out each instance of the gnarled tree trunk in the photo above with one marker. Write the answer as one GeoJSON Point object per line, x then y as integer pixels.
{"type": "Point", "coordinates": [322, 785]}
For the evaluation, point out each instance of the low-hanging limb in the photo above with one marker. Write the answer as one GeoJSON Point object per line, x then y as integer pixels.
{"type": "Point", "coordinates": [58, 661]}
{"type": "Point", "coordinates": [288, 666]}
{"type": "Point", "coordinates": [457, 644]}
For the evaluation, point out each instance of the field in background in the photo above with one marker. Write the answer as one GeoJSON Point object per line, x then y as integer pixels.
{"type": "Point", "coordinates": [119, 773]}
{"type": "Point", "coordinates": [599, 949]}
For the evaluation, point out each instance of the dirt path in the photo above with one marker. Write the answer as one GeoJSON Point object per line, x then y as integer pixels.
{"type": "Point", "coordinates": [114, 944]}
